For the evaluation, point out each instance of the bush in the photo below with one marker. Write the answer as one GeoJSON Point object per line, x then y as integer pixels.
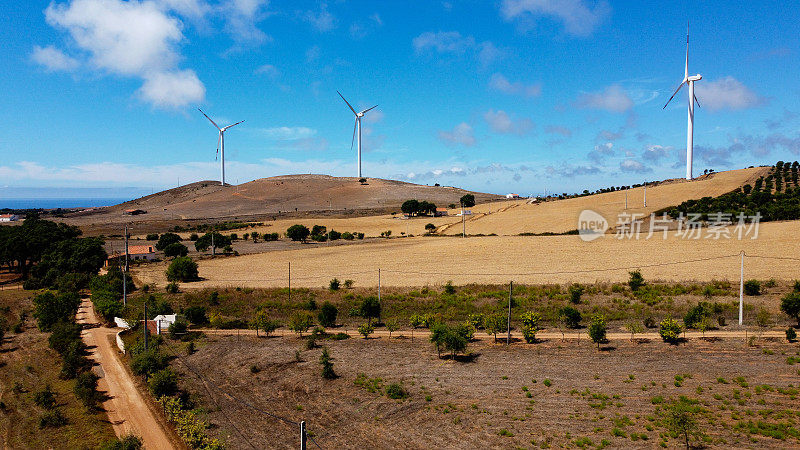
{"type": "Point", "coordinates": [597, 329]}
{"type": "Point", "coordinates": [449, 288]}
{"type": "Point", "coordinates": [575, 292]}
{"type": "Point", "coordinates": [171, 288]}
{"type": "Point", "coordinates": [177, 329]}
{"type": "Point", "coordinates": [790, 305]}
{"type": "Point", "coordinates": [196, 315]}
{"type": "Point", "coordinates": [570, 316]}
{"type": "Point", "coordinates": [348, 284]}
{"type": "Point", "coordinates": [327, 314]}
{"type": "Point", "coordinates": [334, 235]}
{"type": "Point", "coordinates": [791, 335]}
{"type": "Point", "coordinates": [148, 362]}
{"type": "Point", "coordinates": [193, 237]}
{"type": "Point", "coordinates": [636, 280]}
{"type": "Point", "coordinates": [430, 228]}
{"type": "Point", "coordinates": [63, 335]}
{"type": "Point", "coordinates": [45, 398]}
{"type": "Point", "coordinates": [300, 322]}
{"type": "Point", "coordinates": [530, 326]}
{"type": "Point", "coordinates": [166, 240]}
{"type": "Point", "coordinates": [52, 419]}
{"type": "Point", "coordinates": [495, 323]}
{"type": "Point", "coordinates": [164, 382]}
{"type": "Point", "coordinates": [334, 284]}
{"type": "Point", "coordinates": [347, 236]}
{"type": "Point", "coordinates": [365, 329]}
{"type": "Point", "coordinates": [182, 269]}
{"type": "Point", "coordinates": [86, 390]}
{"type": "Point", "coordinates": [670, 330]}
{"type": "Point", "coordinates": [152, 237]}
{"type": "Point", "coordinates": [128, 442]}
{"type": "Point", "coordinates": [752, 287]}
{"type": "Point", "coordinates": [370, 308]}
{"type": "Point", "coordinates": [327, 365]}
{"type": "Point", "coordinates": [697, 314]}
{"type": "Point", "coordinates": [175, 249]}
{"type": "Point", "coordinates": [49, 308]}
{"type": "Point", "coordinates": [395, 391]}
{"type": "Point", "coordinates": [298, 232]}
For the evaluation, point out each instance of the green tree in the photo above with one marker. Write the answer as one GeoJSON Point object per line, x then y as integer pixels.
{"type": "Point", "coordinates": [175, 249]}
{"type": "Point", "coordinates": [790, 305]}
{"type": "Point", "coordinates": [680, 418]}
{"type": "Point", "coordinates": [334, 284]}
{"type": "Point", "coordinates": [164, 382]}
{"type": "Point", "coordinates": [597, 329]}
{"type": "Point", "coordinates": [636, 280]}
{"type": "Point", "coordinates": [467, 200]}
{"type": "Point", "coordinates": [183, 269]}
{"type": "Point", "coordinates": [670, 330]}
{"type": "Point", "coordinates": [300, 322]}
{"type": "Point", "coordinates": [167, 239]}
{"type": "Point", "coordinates": [49, 308]}
{"type": "Point", "coordinates": [410, 207]}
{"type": "Point", "coordinates": [128, 442]}
{"type": "Point", "coordinates": [430, 228]}
{"type": "Point", "coordinates": [365, 329]}
{"type": "Point", "coordinates": [633, 327]}
{"type": "Point", "coordinates": [84, 256]}
{"type": "Point", "coordinates": [327, 365]}
{"type": "Point", "coordinates": [86, 390]}
{"type": "Point", "coordinates": [392, 325]}
{"type": "Point", "coordinates": [437, 336]}
{"type": "Point", "coordinates": [752, 287]}
{"type": "Point", "coordinates": [327, 314]}
{"type": "Point", "coordinates": [530, 326]}
{"type": "Point", "coordinates": [575, 292]}
{"type": "Point", "coordinates": [204, 242]}
{"type": "Point", "coordinates": [298, 232]}
{"type": "Point", "coordinates": [370, 308]}
{"type": "Point", "coordinates": [495, 323]}
{"type": "Point", "coordinates": [570, 316]}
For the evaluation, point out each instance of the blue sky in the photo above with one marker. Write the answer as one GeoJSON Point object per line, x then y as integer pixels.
{"type": "Point", "coordinates": [499, 96]}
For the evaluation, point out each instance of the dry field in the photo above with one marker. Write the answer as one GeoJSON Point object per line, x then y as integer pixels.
{"type": "Point", "coordinates": [592, 398]}
{"type": "Point", "coordinates": [422, 261]}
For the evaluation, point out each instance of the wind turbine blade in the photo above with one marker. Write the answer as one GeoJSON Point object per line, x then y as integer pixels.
{"type": "Point", "coordinates": [686, 67]}
{"type": "Point", "coordinates": [368, 109]}
{"type": "Point", "coordinates": [354, 134]}
{"type": "Point", "coordinates": [348, 103]}
{"type": "Point", "coordinates": [229, 126]}
{"type": "Point", "coordinates": [697, 101]}
{"type": "Point", "coordinates": [675, 93]}
{"type": "Point", "coordinates": [219, 139]}
{"type": "Point", "coordinates": [209, 118]}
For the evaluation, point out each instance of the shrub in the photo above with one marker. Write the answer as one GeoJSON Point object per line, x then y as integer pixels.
{"type": "Point", "coordinates": [370, 308]}
{"type": "Point", "coordinates": [196, 315]}
{"type": "Point", "coordinates": [415, 320]}
{"type": "Point", "coordinates": [152, 237]}
{"type": "Point", "coordinates": [327, 365]}
{"type": "Point", "coordinates": [636, 280]}
{"type": "Point", "coordinates": [300, 322]}
{"type": "Point", "coordinates": [650, 322]}
{"type": "Point", "coordinates": [164, 382]}
{"type": "Point", "coordinates": [392, 325]}
{"type": "Point", "coordinates": [570, 316]}
{"type": "Point", "coordinates": [327, 314]}
{"type": "Point", "coordinates": [449, 288]}
{"type": "Point", "coordinates": [679, 417]}
{"type": "Point", "coordinates": [575, 292]}
{"type": "Point", "coordinates": [476, 320]}
{"type": "Point", "coordinates": [495, 323]}
{"type": "Point", "coordinates": [670, 330]}
{"type": "Point", "coordinates": [86, 390]}
{"type": "Point", "coordinates": [791, 335]}
{"type": "Point", "coordinates": [171, 288]}
{"type": "Point", "coordinates": [64, 334]}
{"type": "Point", "coordinates": [52, 419]}
{"type": "Point", "coordinates": [319, 230]}
{"type": "Point", "coordinates": [45, 398]}
{"type": "Point", "coordinates": [166, 240]}
{"type": "Point", "coordinates": [752, 287]}
{"type": "Point", "coordinates": [334, 235]}
{"type": "Point", "coordinates": [128, 442]}
{"type": "Point", "coordinates": [365, 329]}
{"type": "Point", "coordinates": [147, 362]}
{"type": "Point", "coordinates": [530, 326]}
{"type": "Point", "coordinates": [597, 329]}
{"type": "Point", "coordinates": [175, 249]}
{"type": "Point", "coordinates": [182, 269]}
{"type": "Point", "coordinates": [430, 228]}
{"type": "Point", "coordinates": [334, 284]}
{"type": "Point", "coordinates": [177, 329]}
{"type": "Point", "coordinates": [298, 232]}
{"type": "Point", "coordinates": [193, 237]}
{"type": "Point", "coordinates": [395, 391]}
{"type": "Point", "coordinates": [49, 308]}
{"type": "Point", "coordinates": [790, 305]}
{"type": "Point", "coordinates": [348, 284]}
{"type": "Point", "coordinates": [347, 236]}
{"type": "Point", "coordinates": [696, 314]}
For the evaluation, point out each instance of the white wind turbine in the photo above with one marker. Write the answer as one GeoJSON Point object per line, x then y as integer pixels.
{"type": "Point", "coordinates": [220, 144]}
{"type": "Point", "coordinates": [692, 100]}
{"type": "Point", "coordinates": [356, 126]}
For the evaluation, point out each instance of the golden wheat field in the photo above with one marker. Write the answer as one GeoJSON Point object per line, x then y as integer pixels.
{"type": "Point", "coordinates": [422, 261]}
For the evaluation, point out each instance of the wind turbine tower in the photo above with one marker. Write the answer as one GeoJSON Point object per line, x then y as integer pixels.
{"type": "Point", "coordinates": [356, 127]}
{"type": "Point", "coordinates": [220, 144]}
{"type": "Point", "coordinates": [687, 80]}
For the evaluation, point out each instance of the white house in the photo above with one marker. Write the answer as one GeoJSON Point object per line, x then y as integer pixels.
{"type": "Point", "coordinates": [512, 195]}
{"type": "Point", "coordinates": [163, 321]}
{"type": "Point", "coordinates": [8, 217]}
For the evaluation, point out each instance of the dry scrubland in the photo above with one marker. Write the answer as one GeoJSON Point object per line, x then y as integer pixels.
{"type": "Point", "coordinates": [550, 394]}
{"type": "Point", "coordinates": [27, 365]}
{"type": "Point", "coordinates": [421, 261]}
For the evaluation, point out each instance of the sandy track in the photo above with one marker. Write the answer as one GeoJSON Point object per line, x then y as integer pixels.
{"type": "Point", "coordinates": [424, 261]}
{"type": "Point", "coordinates": [127, 410]}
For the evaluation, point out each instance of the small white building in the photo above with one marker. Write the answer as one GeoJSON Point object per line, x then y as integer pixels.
{"type": "Point", "coordinates": [163, 321]}
{"type": "Point", "coordinates": [512, 196]}
{"type": "Point", "coordinates": [9, 217]}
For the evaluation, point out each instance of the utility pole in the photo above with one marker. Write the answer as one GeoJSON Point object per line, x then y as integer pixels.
{"type": "Point", "coordinates": [645, 194]}
{"type": "Point", "coordinates": [379, 284]}
{"type": "Point", "coordinates": [510, 293]}
{"type": "Point", "coordinates": [145, 325]}
{"type": "Point", "coordinates": [303, 435]}
{"type": "Point", "coordinates": [626, 199]}
{"type": "Point", "coordinates": [463, 223]}
{"type": "Point", "coordinates": [125, 273]}
{"type": "Point", "coordinates": [741, 289]}
{"type": "Point", "coordinates": [290, 281]}
{"type": "Point", "coordinates": [213, 248]}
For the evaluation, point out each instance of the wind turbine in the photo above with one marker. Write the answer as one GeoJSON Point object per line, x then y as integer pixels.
{"type": "Point", "coordinates": [692, 100]}
{"type": "Point", "coordinates": [220, 143]}
{"type": "Point", "coordinates": [356, 126]}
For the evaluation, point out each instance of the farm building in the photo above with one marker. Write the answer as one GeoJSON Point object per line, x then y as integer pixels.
{"type": "Point", "coordinates": [135, 253]}
{"type": "Point", "coordinates": [8, 217]}
{"type": "Point", "coordinates": [440, 212]}
{"type": "Point", "coordinates": [512, 195]}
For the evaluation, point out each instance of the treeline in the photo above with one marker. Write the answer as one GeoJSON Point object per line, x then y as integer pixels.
{"type": "Point", "coordinates": [775, 197]}
{"type": "Point", "coordinates": [48, 254]}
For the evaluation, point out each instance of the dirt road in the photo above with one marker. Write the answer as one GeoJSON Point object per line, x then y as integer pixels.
{"type": "Point", "coordinates": [127, 409]}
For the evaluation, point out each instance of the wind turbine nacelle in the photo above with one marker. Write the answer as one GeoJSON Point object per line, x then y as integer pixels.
{"type": "Point", "coordinates": [697, 77]}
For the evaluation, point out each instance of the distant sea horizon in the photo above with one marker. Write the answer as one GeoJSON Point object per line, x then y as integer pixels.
{"type": "Point", "coordinates": [64, 203]}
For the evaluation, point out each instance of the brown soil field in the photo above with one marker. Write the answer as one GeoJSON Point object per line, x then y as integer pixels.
{"type": "Point", "coordinates": [550, 394]}
{"type": "Point", "coordinates": [266, 198]}
{"type": "Point", "coordinates": [422, 261]}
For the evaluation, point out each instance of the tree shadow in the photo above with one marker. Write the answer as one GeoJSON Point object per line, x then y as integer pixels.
{"type": "Point", "coordinates": [711, 339]}
{"type": "Point", "coordinates": [8, 350]}
{"type": "Point", "coordinates": [607, 348]}
{"type": "Point", "coordinates": [467, 358]}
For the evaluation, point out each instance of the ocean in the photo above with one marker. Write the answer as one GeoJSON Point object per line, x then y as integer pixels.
{"type": "Point", "coordinates": [51, 203]}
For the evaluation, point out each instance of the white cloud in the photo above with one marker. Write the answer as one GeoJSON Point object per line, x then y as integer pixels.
{"type": "Point", "coordinates": [313, 53]}
{"type": "Point", "coordinates": [579, 17]}
{"type": "Point", "coordinates": [290, 133]}
{"type": "Point", "coordinates": [53, 59]}
{"type": "Point", "coordinates": [569, 171]}
{"type": "Point", "coordinates": [268, 70]}
{"type": "Point", "coordinates": [500, 83]}
{"type": "Point", "coordinates": [656, 152]}
{"type": "Point", "coordinates": [726, 93]}
{"type": "Point", "coordinates": [131, 39]}
{"type": "Point", "coordinates": [613, 99]}
{"type": "Point", "coordinates": [193, 9]}
{"type": "Point", "coordinates": [633, 166]}
{"type": "Point", "coordinates": [172, 89]}
{"type": "Point", "coordinates": [242, 19]}
{"type": "Point", "coordinates": [461, 134]}
{"type": "Point", "coordinates": [558, 129]}
{"type": "Point", "coordinates": [454, 42]}
{"type": "Point", "coordinates": [501, 122]}
{"type": "Point", "coordinates": [321, 20]}
{"type": "Point", "coordinates": [601, 152]}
